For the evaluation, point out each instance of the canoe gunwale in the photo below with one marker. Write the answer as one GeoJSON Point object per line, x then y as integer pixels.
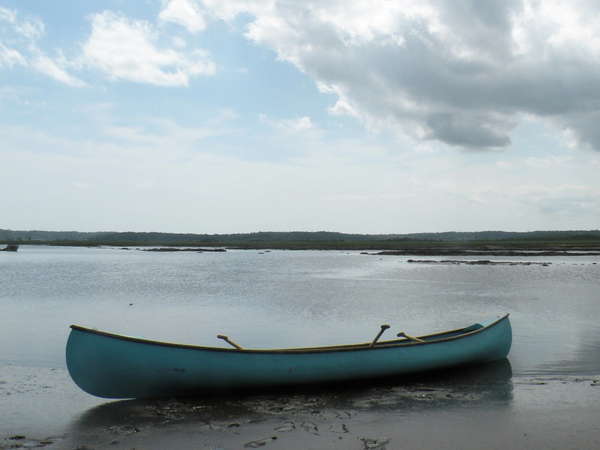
{"type": "Point", "coordinates": [338, 348]}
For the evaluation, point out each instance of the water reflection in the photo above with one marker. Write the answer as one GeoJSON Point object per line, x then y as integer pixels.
{"type": "Point", "coordinates": [583, 359]}
{"type": "Point", "coordinates": [487, 385]}
{"type": "Point", "coordinates": [293, 299]}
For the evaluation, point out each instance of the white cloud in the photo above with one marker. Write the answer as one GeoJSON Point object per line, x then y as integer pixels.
{"type": "Point", "coordinates": [128, 50]}
{"type": "Point", "coordinates": [462, 72]}
{"type": "Point", "coordinates": [230, 10]}
{"type": "Point", "coordinates": [178, 42]}
{"type": "Point", "coordinates": [51, 68]}
{"type": "Point", "coordinates": [31, 29]}
{"type": "Point", "coordinates": [24, 34]}
{"type": "Point", "coordinates": [297, 125]}
{"type": "Point", "coordinates": [163, 133]}
{"type": "Point", "coordinates": [340, 184]}
{"type": "Point", "coordinates": [174, 168]}
{"type": "Point", "coordinates": [185, 13]}
{"type": "Point", "coordinates": [8, 15]}
{"type": "Point", "coordinates": [561, 200]}
{"type": "Point", "coordinates": [10, 57]}
{"type": "Point", "coordinates": [155, 133]}
{"type": "Point", "coordinates": [120, 47]}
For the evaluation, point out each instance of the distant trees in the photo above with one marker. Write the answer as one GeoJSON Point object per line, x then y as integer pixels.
{"type": "Point", "coordinates": [301, 239]}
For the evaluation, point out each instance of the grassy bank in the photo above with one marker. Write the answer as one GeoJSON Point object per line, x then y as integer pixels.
{"type": "Point", "coordinates": [364, 245]}
{"type": "Point", "coordinates": [320, 240]}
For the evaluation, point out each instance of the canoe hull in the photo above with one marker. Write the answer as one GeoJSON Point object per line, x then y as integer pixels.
{"type": "Point", "coordinates": [111, 366]}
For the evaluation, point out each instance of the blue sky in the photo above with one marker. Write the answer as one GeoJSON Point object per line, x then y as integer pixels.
{"type": "Point", "coordinates": [205, 116]}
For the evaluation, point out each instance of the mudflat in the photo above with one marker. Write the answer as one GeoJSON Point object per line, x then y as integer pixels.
{"type": "Point", "coordinates": [474, 408]}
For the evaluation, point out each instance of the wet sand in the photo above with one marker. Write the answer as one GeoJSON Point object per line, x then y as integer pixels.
{"type": "Point", "coordinates": [473, 408]}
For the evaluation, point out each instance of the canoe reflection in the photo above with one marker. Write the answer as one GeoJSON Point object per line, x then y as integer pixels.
{"type": "Point", "coordinates": [467, 386]}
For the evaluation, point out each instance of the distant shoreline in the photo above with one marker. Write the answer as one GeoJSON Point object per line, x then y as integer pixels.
{"type": "Point", "coordinates": [447, 243]}
{"type": "Point", "coordinates": [525, 249]}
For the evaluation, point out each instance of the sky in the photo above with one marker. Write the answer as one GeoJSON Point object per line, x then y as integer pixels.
{"type": "Point", "coordinates": [362, 116]}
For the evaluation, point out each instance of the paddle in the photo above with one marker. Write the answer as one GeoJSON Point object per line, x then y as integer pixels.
{"type": "Point", "coordinates": [229, 341]}
{"type": "Point", "coordinates": [383, 328]}
{"type": "Point", "coordinates": [408, 336]}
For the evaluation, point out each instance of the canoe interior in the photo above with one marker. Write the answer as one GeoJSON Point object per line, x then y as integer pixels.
{"type": "Point", "coordinates": [445, 335]}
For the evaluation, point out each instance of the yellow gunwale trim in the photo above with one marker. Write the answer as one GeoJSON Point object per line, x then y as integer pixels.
{"type": "Point", "coordinates": [343, 348]}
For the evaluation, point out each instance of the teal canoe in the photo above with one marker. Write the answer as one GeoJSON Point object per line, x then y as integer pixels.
{"type": "Point", "coordinates": [114, 366]}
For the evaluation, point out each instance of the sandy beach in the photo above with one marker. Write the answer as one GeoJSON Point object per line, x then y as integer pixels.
{"type": "Point", "coordinates": [471, 408]}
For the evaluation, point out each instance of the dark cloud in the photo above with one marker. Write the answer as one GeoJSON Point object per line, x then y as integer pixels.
{"type": "Point", "coordinates": [584, 126]}
{"type": "Point", "coordinates": [464, 131]}
{"type": "Point", "coordinates": [462, 72]}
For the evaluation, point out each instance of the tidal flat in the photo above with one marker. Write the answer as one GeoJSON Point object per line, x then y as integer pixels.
{"type": "Point", "coordinates": [473, 408]}
{"type": "Point", "coordinates": [544, 396]}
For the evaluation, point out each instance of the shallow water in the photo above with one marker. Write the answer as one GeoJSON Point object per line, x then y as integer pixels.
{"type": "Point", "coordinates": [294, 298]}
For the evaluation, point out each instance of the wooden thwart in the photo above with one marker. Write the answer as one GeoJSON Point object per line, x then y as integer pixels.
{"type": "Point", "coordinates": [229, 341]}
{"type": "Point", "coordinates": [383, 328]}
{"type": "Point", "coordinates": [408, 336]}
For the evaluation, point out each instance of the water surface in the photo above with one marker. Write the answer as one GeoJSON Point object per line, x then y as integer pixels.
{"type": "Point", "coordinates": [294, 298]}
{"type": "Point", "coordinates": [299, 298]}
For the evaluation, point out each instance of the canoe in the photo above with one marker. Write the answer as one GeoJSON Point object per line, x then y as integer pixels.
{"type": "Point", "coordinates": [114, 366]}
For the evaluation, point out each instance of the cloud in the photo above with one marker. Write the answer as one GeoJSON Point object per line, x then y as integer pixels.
{"type": "Point", "coordinates": [297, 125]}
{"type": "Point", "coordinates": [10, 57]}
{"type": "Point", "coordinates": [23, 36]}
{"type": "Point", "coordinates": [562, 200]}
{"type": "Point", "coordinates": [185, 13]}
{"type": "Point", "coordinates": [162, 133]}
{"type": "Point", "coordinates": [127, 49]}
{"type": "Point", "coordinates": [30, 28]}
{"type": "Point", "coordinates": [463, 73]}
{"type": "Point", "coordinates": [176, 163]}
{"type": "Point", "coordinates": [335, 192]}
{"type": "Point", "coordinates": [51, 68]}
{"type": "Point", "coordinates": [153, 133]}
{"type": "Point", "coordinates": [7, 15]}
{"type": "Point", "coordinates": [120, 47]}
